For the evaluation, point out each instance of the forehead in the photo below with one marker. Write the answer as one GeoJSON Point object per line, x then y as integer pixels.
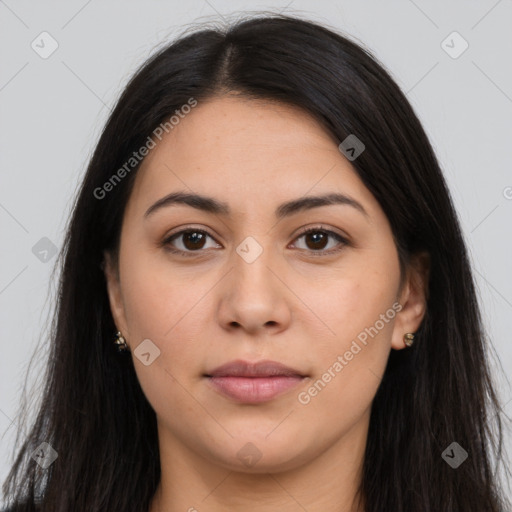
{"type": "Point", "coordinates": [247, 150]}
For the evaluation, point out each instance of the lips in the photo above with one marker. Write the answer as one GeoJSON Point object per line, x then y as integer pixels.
{"type": "Point", "coordinates": [252, 383]}
{"type": "Point", "coordinates": [260, 369]}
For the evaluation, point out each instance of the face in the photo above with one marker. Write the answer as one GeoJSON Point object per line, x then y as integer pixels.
{"type": "Point", "coordinates": [234, 279]}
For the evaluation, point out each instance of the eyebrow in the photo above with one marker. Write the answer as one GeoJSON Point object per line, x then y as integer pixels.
{"type": "Point", "coordinates": [211, 205]}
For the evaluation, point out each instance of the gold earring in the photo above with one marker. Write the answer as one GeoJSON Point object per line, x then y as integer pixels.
{"type": "Point", "coordinates": [409, 339]}
{"type": "Point", "coordinates": [121, 342]}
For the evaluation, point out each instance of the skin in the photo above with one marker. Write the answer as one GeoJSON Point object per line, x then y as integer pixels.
{"type": "Point", "coordinates": [291, 305]}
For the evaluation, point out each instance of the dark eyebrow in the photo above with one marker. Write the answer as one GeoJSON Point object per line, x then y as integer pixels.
{"type": "Point", "coordinates": [308, 202]}
{"type": "Point", "coordinates": [211, 205]}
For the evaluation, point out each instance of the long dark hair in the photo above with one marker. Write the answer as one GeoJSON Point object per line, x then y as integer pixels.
{"type": "Point", "coordinates": [94, 413]}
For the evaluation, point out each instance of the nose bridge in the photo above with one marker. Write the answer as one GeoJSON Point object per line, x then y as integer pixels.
{"type": "Point", "coordinates": [252, 297]}
{"type": "Point", "coordinates": [251, 261]}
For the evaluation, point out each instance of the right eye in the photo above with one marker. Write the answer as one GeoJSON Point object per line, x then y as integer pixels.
{"type": "Point", "coordinates": [187, 241]}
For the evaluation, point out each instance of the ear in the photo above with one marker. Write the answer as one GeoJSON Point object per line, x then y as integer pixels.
{"type": "Point", "coordinates": [111, 270]}
{"type": "Point", "coordinates": [413, 299]}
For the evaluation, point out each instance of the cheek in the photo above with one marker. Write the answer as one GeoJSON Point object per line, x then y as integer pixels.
{"type": "Point", "coordinates": [352, 299]}
{"type": "Point", "coordinates": [168, 306]}
{"type": "Point", "coordinates": [164, 308]}
{"type": "Point", "coordinates": [359, 308]}
{"type": "Point", "coordinates": [158, 296]}
{"type": "Point", "coordinates": [350, 365]}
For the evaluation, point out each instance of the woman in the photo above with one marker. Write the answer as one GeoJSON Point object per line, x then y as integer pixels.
{"type": "Point", "coordinates": [265, 236]}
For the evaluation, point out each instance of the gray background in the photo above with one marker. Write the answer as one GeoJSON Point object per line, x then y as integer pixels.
{"type": "Point", "coordinates": [52, 111]}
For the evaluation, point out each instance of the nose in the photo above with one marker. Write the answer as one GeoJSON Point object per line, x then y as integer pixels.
{"type": "Point", "coordinates": [253, 297]}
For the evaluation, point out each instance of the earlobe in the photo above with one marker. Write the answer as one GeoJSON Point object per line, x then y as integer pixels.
{"type": "Point", "coordinates": [114, 292]}
{"type": "Point", "coordinates": [413, 299]}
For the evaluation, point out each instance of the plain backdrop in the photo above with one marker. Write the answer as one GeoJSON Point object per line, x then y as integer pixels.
{"type": "Point", "coordinates": [52, 110]}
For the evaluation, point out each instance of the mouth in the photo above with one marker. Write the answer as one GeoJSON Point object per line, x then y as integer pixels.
{"type": "Point", "coordinates": [253, 383]}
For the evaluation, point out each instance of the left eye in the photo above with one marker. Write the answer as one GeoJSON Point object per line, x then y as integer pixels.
{"type": "Point", "coordinates": [318, 239]}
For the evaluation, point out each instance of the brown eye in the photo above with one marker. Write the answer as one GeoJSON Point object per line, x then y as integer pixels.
{"type": "Point", "coordinates": [317, 240]}
{"type": "Point", "coordinates": [193, 240]}
{"type": "Point", "coordinates": [187, 241]}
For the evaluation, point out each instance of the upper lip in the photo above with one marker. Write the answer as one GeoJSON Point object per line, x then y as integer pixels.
{"type": "Point", "coordinates": [241, 368]}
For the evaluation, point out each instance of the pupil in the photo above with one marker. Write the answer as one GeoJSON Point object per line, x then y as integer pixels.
{"type": "Point", "coordinates": [193, 238]}
{"type": "Point", "coordinates": [318, 238]}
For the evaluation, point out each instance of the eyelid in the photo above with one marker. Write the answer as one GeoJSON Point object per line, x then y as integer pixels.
{"type": "Point", "coordinates": [321, 227]}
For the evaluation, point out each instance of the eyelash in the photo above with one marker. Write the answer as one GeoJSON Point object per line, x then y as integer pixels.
{"type": "Point", "coordinates": [317, 229]}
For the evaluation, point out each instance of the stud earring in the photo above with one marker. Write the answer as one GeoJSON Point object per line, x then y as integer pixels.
{"type": "Point", "coordinates": [409, 339]}
{"type": "Point", "coordinates": [121, 343]}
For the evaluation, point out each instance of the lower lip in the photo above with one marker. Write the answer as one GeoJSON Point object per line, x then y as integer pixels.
{"type": "Point", "coordinates": [254, 390]}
